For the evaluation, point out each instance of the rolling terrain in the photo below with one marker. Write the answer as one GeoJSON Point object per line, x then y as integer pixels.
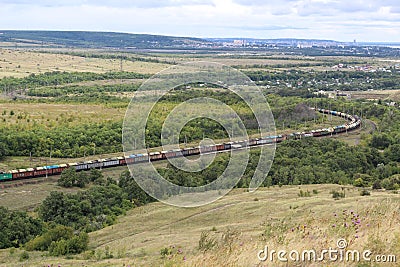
{"type": "Point", "coordinates": [240, 225]}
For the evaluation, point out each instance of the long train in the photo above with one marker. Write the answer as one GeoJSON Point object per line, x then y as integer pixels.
{"type": "Point", "coordinates": [353, 122]}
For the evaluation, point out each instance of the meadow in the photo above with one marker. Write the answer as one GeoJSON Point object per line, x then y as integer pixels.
{"type": "Point", "coordinates": [231, 231]}
{"type": "Point", "coordinates": [21, 63]}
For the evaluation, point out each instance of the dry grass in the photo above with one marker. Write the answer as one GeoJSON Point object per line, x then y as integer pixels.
{"type": "Point", "coordinates": [53, 114]}
{"type": "Point", "coordinates": [259, 61]}
{"type": "Point", "coordinates": [376, 94]}
{"type": "Point", "coordinates": [20, 63]}
{"type": "Point", "coordinates": [29, 196]}
{"type": "Point", "coordinates": [138, 237]}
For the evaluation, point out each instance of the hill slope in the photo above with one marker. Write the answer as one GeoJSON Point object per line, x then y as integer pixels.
{"type": "Point", "coordinates": [84, 39]}
{"type": "Point", "coordinates": [236, 227]}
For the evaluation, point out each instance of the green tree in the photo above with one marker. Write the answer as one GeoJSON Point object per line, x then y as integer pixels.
{"type": "Point", "coordinates": [68, 177]}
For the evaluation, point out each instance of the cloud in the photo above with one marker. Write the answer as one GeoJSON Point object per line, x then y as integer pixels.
{"type": "Point", "coordinates": [115, 3]}
{"type": "Point", "coordinates": [317, 19]}
{"type": "Point", "coordinates": [267, 28]}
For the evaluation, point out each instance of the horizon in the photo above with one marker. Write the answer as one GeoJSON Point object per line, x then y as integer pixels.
{"type": "Point", "coordinates": [206, 38]}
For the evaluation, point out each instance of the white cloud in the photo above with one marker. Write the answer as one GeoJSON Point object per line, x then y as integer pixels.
{"type": "Point", "coordinates": [325, 19]}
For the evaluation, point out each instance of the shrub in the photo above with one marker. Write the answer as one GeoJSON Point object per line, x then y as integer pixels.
{"type": "Point", "coordinates": [304, 194]}
{"type": "Point", "coordinates": [337, 195]}
{"type": "Point", "coordinates": [24, 256]}
{"type": "Point", "coordinates": [206, 242]}
{"type": "Point", "coordinates": [377, 185]}
{"type": "Point", "coordinates": [75, 245]}
{"type": "Point", "coordinates": [365, 192]}
{"type": "Point", "coordinates": [44, 241]}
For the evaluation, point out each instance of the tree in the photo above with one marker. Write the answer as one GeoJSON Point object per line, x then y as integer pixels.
{"type": "Point", "coordinates": [3, 150]}
{"type": "Point", "coordinates": [95, 174]}
{"type": "Point", "coordinates": [380, 141]}
{"type": "Point", "coordinates": [81, 179]}
{"type": "Point", "coordinates": [134, 191]}
{"type": "Point", "coordinates": [393, 152]}
{"type": "Point", "coordinates": [17, 228]}
{"type": "Point", "coordinates": [68, 177]}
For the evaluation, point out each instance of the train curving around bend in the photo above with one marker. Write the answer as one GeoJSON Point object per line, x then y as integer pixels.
{"type": "Point", "coordinates": [353, 122]}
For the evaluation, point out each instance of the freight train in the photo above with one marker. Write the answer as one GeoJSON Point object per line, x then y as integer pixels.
{"type": "Point", "coordinates": [353, 122]}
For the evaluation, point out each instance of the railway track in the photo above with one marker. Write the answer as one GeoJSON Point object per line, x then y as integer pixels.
{"type": "Point", "coordinates": [353, 122]}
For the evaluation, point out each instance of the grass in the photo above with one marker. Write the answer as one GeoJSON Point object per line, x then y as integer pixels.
{"type": "Point", "coordinates": [51, 115]}
{"type": "Point", "coordinates": [240, 227]}
{"type": "Point", "coordinates": [376, 94]}
{"type": "Point", "coordinates": [29, 196]}
{"type": "Point", "coordinates": [21, 63]}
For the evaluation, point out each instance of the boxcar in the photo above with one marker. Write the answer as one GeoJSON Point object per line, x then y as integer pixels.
{"type": "Point", "coordinates": [4, 176]}
{"type": "Point", "coordinates": [110, 162]}
{"type": "Point", "coordinates": [220, 147]}
{"type": "Point", "coordinates": [130, 159]}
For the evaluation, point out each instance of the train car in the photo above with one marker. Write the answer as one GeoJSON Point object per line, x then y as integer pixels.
{"type": "Point", "coordinates": [39, 171]}
{"type": "Point", "coordinates": [110, 162]}
{"type": "Point", "coordinates": [185, 152]}
{"type": "Point", "coordinates": [296, 136]}
{"type": "Point", "coordinates": [95, 164]}
{"type": "Point", "coordinates": [142, 157]}
{"type": "Point", "coordinates": [220, 147]}
{"type": "Point", "coordinates": [280, 138]}
{"type": "Point", "coordinates": [236, 146]}
{"type": "Point", "coordinates": [155, 156]}
{"type": "Point", "coordinates": [207, 148]}
{"type": "Point", "coordinates": [121, 160]}
{"type": "Point", "coordinates": [339, 129]}
{"type": "Point", "coordinates": [81, 166]}
{"type": "Point", "coordinates": [169, 153]}
{"type": "Point", "coordinates": [5, 176]}
{"type": "Point", "coordinates": [324, 132]}
{"type": "Point", "coordinates": [193, 151]}
{"type": "Point", "coordinates": [57, 169]}
{"type": "Point", "coordinates": [228, 145]}
{"type": "Point", "coordinates": [22, 173]}
{"type": "Point", "coordinates": [253, 142]}
{"type": "Point", "coordinates": [316, 133]}
{"type": "Point", "coordinates": [262, 141]}
{"type": "Point", "coordinates": [130, 159]}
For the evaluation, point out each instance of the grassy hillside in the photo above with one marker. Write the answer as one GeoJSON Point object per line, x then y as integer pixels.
{"type": "Point", "coordinates": [237, 227]}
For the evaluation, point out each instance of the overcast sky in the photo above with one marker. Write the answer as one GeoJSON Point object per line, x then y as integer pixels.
{"type": "Point", "coordinates": [363, 20]}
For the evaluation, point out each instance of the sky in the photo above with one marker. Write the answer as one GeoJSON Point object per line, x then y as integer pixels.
{"type": "Point", "coordinates": [361, 20]}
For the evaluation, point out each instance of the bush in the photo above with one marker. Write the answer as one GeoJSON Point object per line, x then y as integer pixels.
{"type": "Point", "coordinates": [206, 242]}
{"type": "Point", "coordinates": [338, 195]}
{"type": "Point", "coordinates": [24, 256]}
{"type": "Point", "coordinates": [75, 245]}
{"type": "Point", "coordinates": [55, 234]}
{"type": "Point", "coordinates": [377, 185]}
{"type": "Point", "coordinates": [304, 194]}
{"type": "Point", "coordinates": [365, 192]}
{"type": "Point", "coordinates": [164, 252]}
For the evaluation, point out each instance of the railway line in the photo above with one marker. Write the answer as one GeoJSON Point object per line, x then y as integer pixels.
{"type": "Point", "coordinates": [353, 122]}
